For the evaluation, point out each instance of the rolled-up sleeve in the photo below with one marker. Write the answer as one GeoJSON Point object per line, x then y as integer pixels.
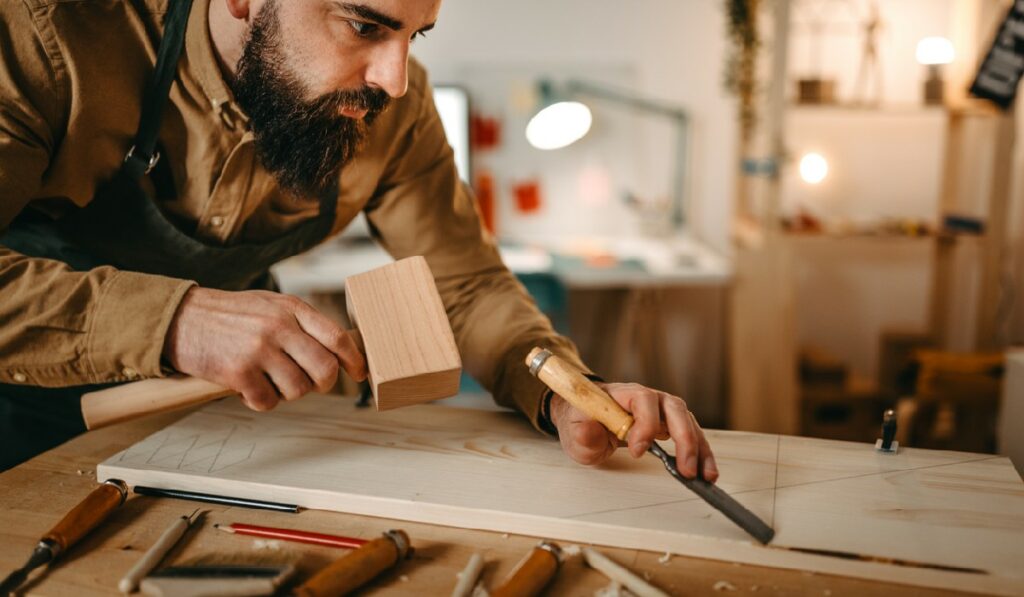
{"type": "Point", "coordinates": [423, 208]}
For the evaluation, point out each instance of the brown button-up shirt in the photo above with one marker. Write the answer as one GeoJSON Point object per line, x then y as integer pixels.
{"type": "Point", "coordinates": [72, 75]}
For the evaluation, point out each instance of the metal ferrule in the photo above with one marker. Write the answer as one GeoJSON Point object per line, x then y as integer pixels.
{"type": "Point", "coordinates": [121, 486]}
{"type": "Point", "coordinates": [400, 543]}
{"type": "Point", "coordinates": [538, 361]}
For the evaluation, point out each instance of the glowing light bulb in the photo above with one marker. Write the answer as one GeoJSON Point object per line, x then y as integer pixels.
{"type": "Point", "coordinates": [813, 168]}
{"type": "Point", "coordinates": [559, 125]}
{"type": "Point", "coordinates": [934, 50]}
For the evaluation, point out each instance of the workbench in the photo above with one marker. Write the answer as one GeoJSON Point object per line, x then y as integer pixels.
{"type": "Point", "coordinates": [36, 494]}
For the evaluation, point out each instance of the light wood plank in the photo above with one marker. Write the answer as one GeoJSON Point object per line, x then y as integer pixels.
{"type": "Point", "coordinates": [490, 471]}
{"type": "Point", "coordinates": [410, 347]}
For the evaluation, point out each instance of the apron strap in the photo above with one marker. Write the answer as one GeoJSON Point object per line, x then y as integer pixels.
{"type": "Point", "coordinates": [143, 155]}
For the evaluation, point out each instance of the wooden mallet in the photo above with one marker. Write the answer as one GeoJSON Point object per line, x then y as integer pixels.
{"type": "Point", "coordinates": [402, 329]}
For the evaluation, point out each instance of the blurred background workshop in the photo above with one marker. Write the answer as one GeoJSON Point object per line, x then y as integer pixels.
{"type": "Point", "coordinates": [795, 219]}
{"type": "Point", "coordinates": [804, 217]}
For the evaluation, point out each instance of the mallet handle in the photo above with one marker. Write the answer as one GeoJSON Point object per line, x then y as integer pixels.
{"type": "Point", "coordinates": [149, 396]}
{"type": "Point", "coordinates": [582, 393]}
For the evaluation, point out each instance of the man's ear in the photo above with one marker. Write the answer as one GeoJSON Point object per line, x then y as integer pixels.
{"type": "Point", "coordinates": [238, 8]}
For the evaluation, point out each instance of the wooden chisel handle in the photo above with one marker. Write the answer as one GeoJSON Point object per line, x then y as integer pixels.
{"type": "Point", "coordinates": [151, 396]}
{"type": "Point", "coordinates": [87, 515]}
{"type": "Point", "coordinates": [357, 568]}
{"type": "Point", "coordinates": [569, 383]}
{"type": "Point", "coordinates": [532, 574]}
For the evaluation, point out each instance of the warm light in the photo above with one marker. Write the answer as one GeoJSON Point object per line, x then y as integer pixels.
{"type": "Point", "coordinates": [934, 50]}
{"type": "Point", "coordinates": [813, 168]}
{"type": "Point", "coordinates": [559, 125]}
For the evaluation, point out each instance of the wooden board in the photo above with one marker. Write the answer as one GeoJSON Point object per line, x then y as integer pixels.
{"type": "Point", "coordinates": [410, 348]}
{"type": "Point", "coordinates": [490, 470]}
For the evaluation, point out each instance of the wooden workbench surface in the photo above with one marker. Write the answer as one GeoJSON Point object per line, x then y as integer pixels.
{"type": "Point", "coordinates": [36, 494]}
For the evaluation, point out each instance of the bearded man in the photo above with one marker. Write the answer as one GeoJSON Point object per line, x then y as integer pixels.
{"type": "Point", "coordinates": [158, 156]}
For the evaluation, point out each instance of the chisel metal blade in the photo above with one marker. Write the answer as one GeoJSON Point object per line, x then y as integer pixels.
{"type": "Point", "coordinates": [718, 499]}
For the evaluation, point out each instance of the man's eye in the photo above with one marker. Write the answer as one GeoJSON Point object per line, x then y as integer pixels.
{"type": "Point", "coordinates": [363, 29]}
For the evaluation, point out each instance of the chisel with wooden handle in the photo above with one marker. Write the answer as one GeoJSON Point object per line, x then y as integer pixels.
{"type": "Point", "coordinates": [77, 523]}
{"type": "Point", "coordinates": [569, 383]}
{"type": "Point", "coordinates": [357, 568]}
{"type": "Point", "coordinates": [533, 573]}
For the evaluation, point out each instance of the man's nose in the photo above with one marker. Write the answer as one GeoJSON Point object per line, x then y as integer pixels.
{"type": "Point", "coordinates": [389, 69]}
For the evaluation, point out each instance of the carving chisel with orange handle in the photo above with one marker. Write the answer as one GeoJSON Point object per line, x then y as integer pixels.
{"type": "Point", "coordinates": [77, 523]}
{"type": "Point", "coordinates": [570, 384]}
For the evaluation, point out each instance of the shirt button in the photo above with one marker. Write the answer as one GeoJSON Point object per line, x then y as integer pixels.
{"type": "Point", "coordinates": [20, 377]}
{"type": "Point", "coordinates": [129, 372]}
{"type": "Point", "coordinates": [216, 221]}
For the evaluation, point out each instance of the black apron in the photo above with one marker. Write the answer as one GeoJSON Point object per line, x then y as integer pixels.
{"type": "Point", "coordinates": [123, 227]}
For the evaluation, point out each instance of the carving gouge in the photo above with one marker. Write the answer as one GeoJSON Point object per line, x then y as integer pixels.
{"type": "Point", "coordinates": [582, 393]}
{"type": "Point", "coordinates": [533, 573]}
{"type": "Point", "coordinates": [357, 568]}
{"type": "Point", "coordinates": [77, 523]}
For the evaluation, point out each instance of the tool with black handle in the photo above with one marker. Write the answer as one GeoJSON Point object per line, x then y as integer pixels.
{"type": "Point", "coordinates": [77, 523]}
{"type": "Point", "coordinates": [582, 393]}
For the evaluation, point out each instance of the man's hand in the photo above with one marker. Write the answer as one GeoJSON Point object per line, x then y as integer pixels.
{"type": "Point", "coordinates": [265, 346]}
{"type": "Point", "coordinates": [657, 415]}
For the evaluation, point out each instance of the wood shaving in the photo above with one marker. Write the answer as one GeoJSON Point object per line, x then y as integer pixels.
{"type": "Point", "coordinates": [724, 585]}
{"type": "Point", "coordinates": [571, 550]}
{"type": "Point", "coordinates": [403, 578]}
{"type": "Point", "coordinates": [665, 558]}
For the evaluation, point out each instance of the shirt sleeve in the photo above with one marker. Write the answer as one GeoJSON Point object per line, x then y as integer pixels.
{"type": "Point", "coordinates": [423, 208]}
{"type": "Point", "coordinates": [59, 327]}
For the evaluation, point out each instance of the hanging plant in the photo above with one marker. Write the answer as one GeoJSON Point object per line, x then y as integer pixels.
{"type": "Point", "coordinates": [741, 62]}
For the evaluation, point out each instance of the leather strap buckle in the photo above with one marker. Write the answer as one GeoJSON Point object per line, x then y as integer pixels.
{"type": "Point", "coordinates": [149, 163]}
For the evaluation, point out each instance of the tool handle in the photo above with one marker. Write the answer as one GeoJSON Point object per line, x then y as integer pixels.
{"type": "Point", "coordinates": [532, 574]}
{"type": "Point", "coordinates": [87, 515]}
{"type": "Point", "coordinates": [150, 396]}
{"type": "Point", "coordinates": [357, 568]}
{"type": "Point", "coordinates": [153, 555]}
{"type": "Point", "coordinates": [569, 383]}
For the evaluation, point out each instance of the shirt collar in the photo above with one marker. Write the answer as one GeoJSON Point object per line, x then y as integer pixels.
{"type": "Point", "coordinates": [203, 60]}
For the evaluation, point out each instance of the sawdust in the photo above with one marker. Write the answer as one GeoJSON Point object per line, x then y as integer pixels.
{"type": "Point", "coordinates": [663, 560]}
{"type": "Point", "coordinates": [266, 545]}
{"type": "Point", "coordinates": [404, 578]}
{"type": "Point", "coordinates": [724, 585]}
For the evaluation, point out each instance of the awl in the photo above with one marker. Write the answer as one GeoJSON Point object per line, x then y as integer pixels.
{"type": "Point", "coordinates": [582, 393]}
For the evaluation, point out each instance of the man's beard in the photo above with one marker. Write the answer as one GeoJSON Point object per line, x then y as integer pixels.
{"type": "Point", "coordinates": [303, 143]}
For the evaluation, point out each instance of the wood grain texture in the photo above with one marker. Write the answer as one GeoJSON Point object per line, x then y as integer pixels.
{"type": "Point", "coordinates": [410, 347]}
{"type": "Point", "coordinates": [489, 470]}
{"type": "Point", "coordinates": [37, 493]}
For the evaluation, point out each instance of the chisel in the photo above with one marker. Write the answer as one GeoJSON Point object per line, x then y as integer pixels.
{"type": "Point", "coordinates": [77, 523]}
{"type": "Point", "coordinates": [570, 384]}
